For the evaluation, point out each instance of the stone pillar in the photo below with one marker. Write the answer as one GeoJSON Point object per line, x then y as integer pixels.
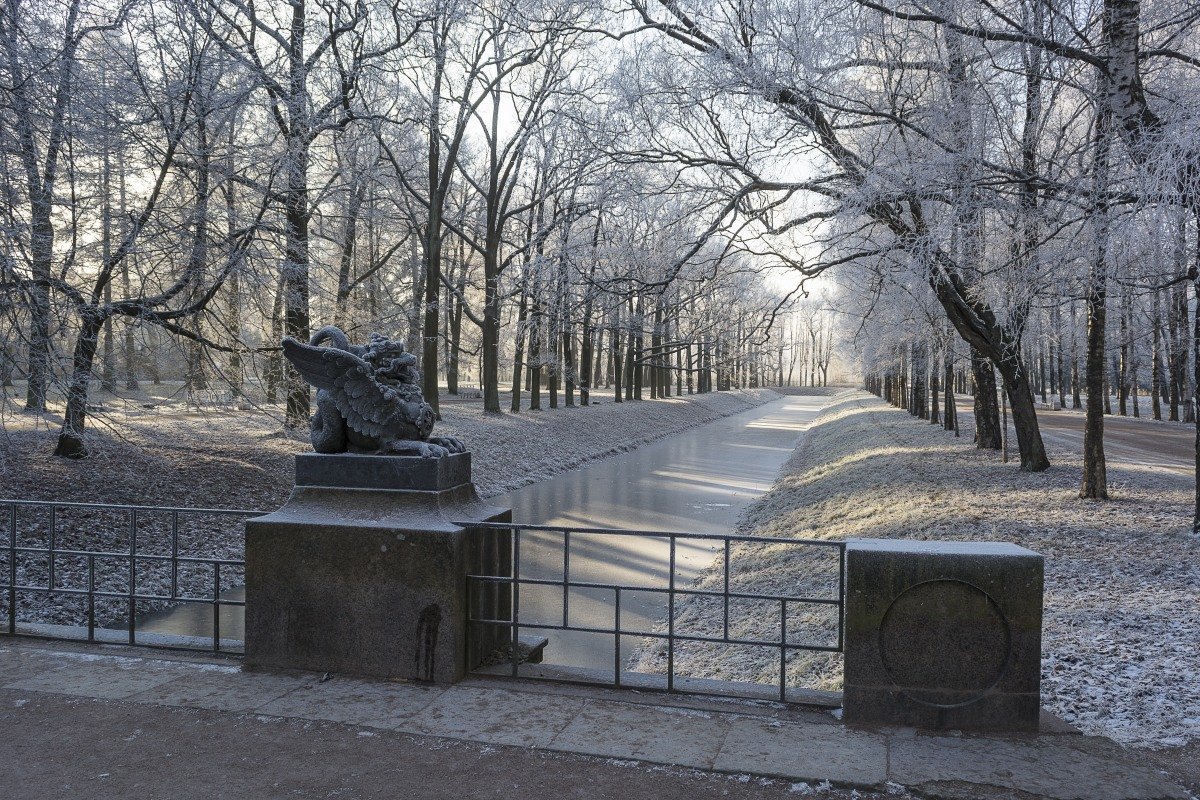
{"type": "Point", "coordinates": [363, 570]}
{"type": "Point", "coordinates": [943, 634]}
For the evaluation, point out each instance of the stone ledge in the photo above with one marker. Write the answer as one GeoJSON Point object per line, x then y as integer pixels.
{"type": "Point", "coordinates": [393, 473]}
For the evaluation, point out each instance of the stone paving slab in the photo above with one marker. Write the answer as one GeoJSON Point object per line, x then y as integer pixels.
{"type": "Point", "coordinates": [377, 704]}
{"type": "Point", "coordinates": [1074, 769]}
{"type": "Point", "coordinates": [780, 742]}
{"type": "Point", "coordinates": [17, 664]}
{"type": "Point", "coordinates": [494, 715]}
{"type": "Point", "coordinates": [675, 736]}
{"type": "Point", "coordinates": [804, 752]}
{"type": "Point", "coordinates": [107, 678]}
{"type": "Point", "coordinates": [221, 689]}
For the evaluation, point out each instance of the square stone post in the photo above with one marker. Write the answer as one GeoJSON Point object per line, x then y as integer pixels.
{"type": "Point", "coordinates": [943, 634]}
{"type": "Point", "coordinates": [363, 570]}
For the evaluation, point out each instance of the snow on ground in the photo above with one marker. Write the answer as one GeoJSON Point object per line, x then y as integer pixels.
{"type": "Point", "coordinates": [1121, 631]}
{"type": "Point", "coordinates": [239, 459]}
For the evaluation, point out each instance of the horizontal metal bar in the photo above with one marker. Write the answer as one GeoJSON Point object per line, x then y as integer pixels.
{"type": "Point", "coordinates": [828, 601]}
{"type": "Point", "coordinates": [679, 637]}
{"type": "Point", "coordinates": [125, 507]}
{"type": "Point", "coordinates": [170, 646]}
{"type": "Point", "coordinates": [125, 555]}
{"type": "Point", "coordinates": [120, 595]}
{"type": "Point", "coordinates": [716, 537]}
{"type": "Point", "coordinates": [92, 516]}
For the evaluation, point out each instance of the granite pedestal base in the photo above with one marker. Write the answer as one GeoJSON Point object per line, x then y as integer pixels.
{"type": "Point", "coordinates": [943, 635]}
{"type": "Point", "coordinates": [363, 570]}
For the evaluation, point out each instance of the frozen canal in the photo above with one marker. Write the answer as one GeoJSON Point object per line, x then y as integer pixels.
{"type": "Point", "coordinates": [697, 481]}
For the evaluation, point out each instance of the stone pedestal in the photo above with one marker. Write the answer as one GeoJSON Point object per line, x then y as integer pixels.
{"type": "Point", "coordinates": [363, 570]}
{"type": "Point", "coordinates": [943, 634]}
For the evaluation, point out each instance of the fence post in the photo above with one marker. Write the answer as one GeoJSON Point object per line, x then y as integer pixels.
{"type": "Point", "coordinates": [943, 634]}
{"type": "Point", "coordinates": [363, 570]}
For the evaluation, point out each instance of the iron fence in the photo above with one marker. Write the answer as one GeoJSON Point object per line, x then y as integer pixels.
{"type": "Point", "coordinates": [94, 571]}
{"type": "Point", "coordinates": [93, 568]}
{"type": "Point", "coordinates": [710, 578]}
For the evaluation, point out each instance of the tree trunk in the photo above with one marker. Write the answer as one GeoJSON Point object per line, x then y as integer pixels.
{"type": "Point", "coordinates": [346, 259]}
{"type": "Point", "coordinates": [1061, 362]}
{"type": "Point", "coordinates": [535, 351]}
{"type": "Point", "coordinates": [987, 409]}
{"type": "Point", "coordinates": [432, 315]}
{"type": "Point", "coordinates": [70, 437]}
{"type": "Point", "coordinates": [1095, 477]}
{"type": "Point", "coordinates": [601, 363]}
{"type": "Point", "coordinates": [934, 412]}
{"type": "Point", "coordinates": [197, 266]}
{"type": "Point", "coordinates": [1076, 400]}
{"type": "Point", "coordinates": [1043, 389]}
{"type": "Point", "coordinates": [1196, 371]}
{"type": "Point", "coordinates": [1132, 356]}
{"type": "Point", "coordinates": [41, 255]}
{"type": "Point", "coordinates": [950, 418]}
{"type": "Point", "coordinates": [274, 376]}
{"type": "Point", "coordinates": [454, 342]}
{"type": "Point", "coordinates": [586, 346]}
{"type": "Point", "coordinates": [129, 346]}
{"type": "Point", "coordinates": [1156, 356]}
{"type": "Point", "coordinates": [615, 354]}
{"type": "Point", "coordinates": [1174, 357]}
{"type": "Point", "coordinates": [491, 348]}
{"type": "Point", "coordinates": [638, 351]}
{"type": "Point", "coordinates": [1122, 373]}
{"type": "Point", "coordinates": [297, 215]}
{"type": "Point", "coordinates": [108, 372]}
{"type": "Point", "coordinates": [552, 348]}
{"type": "Point", "coordinates": [1024, 416]}
{"type": "Point", "coordinates": [519, 348]}
{"type": "Point", "coordinates": [568, 348]}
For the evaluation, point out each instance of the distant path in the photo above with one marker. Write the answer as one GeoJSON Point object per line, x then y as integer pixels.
{"type": "Point", "coordinates": [1169, 446]}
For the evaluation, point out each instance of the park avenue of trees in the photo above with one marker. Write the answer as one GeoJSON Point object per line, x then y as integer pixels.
{"type": "Point", "coordinates": [564, 195]}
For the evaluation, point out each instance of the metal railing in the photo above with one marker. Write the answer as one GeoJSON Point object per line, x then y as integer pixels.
{"type": "Point", "coordinates": [103, 566]}
{"type": "Point", "coordinates": [98, 571]}
{"type": "Point", "coordinates": [710, 582]}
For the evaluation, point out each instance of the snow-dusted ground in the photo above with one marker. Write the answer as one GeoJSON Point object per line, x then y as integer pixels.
{"type": "Point", "coordinates": [236, 459]}
{"type": "Point", "coordinates": [240, 459]}
{"type": "Point", "coordinates": [1121, 646]}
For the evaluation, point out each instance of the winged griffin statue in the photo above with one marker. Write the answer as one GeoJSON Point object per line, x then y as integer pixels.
{"type": "Point", "coordinates": [368, 397]}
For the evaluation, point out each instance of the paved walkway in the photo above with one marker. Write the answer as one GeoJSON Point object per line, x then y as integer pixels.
{"type": "Point", "coordinates": [105, 721]}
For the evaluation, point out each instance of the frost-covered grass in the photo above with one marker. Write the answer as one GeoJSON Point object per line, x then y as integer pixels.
{"type": "Point", "coordinates": [241, 459]}
{"type": "Point", "coordinates": [1121, 645]}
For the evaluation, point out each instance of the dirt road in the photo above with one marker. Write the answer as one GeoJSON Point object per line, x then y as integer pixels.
{"type": "Point", "coordinates": [1169, 446]}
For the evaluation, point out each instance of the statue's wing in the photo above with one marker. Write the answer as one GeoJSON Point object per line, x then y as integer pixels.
{"type": "Point", "coordinates": [350, 382]}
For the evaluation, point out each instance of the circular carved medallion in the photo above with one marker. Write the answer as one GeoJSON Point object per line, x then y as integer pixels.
{"type": "Point", "coordinates": [944, 642]}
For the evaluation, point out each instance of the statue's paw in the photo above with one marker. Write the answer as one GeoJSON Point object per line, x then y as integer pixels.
{"type": "Point", "coordinates": [424, 418]}
{"type": "Point", "coordinates": [430, 450]}
{"type": "Point", "coordinates": [411, 447]}
{"type": "Point", "coordinates": [451, 444]}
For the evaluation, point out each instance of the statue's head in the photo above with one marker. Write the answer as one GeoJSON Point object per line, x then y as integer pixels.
{"type": "Point", "coordinates": [391, 361]}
